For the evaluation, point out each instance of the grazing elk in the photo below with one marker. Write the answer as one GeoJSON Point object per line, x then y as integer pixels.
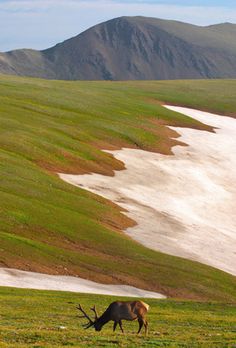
{"type": "Point", "coordinates": [118, 311]}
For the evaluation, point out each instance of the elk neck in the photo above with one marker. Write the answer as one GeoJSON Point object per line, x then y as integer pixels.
{"type": "Point", "coordinates": [104, 318]}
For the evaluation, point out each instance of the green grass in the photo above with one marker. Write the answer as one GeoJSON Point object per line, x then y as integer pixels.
{"type": "Point", "coordinates": [49, 226]}
{"type": "Point", "coordinates": [49, 319]}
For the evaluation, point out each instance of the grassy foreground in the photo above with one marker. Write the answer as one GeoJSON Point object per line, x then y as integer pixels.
{"type": "Point", "coordinates": [46, 319]}
{"type": "Point", "coordinates": [49, 226]}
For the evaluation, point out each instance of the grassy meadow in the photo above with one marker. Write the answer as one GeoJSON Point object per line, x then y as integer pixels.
{"type": "Point", "coordinates": [42, 319]}
{"type": "Point", "coordinates": [49, 226]}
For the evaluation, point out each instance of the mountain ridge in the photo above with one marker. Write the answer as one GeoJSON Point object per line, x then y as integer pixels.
{"type": "Point", "coordinates": [133, 48]}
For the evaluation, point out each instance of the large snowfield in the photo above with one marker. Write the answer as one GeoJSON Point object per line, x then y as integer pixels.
{"type": "Point", "coordinates": [184, 204]}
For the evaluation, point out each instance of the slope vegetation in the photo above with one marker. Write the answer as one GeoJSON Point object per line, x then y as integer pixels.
{"type": "Point", "coordinates": [52, 227]}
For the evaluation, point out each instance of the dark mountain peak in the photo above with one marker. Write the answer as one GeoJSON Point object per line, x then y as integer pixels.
{"type": "Point", "coordinates": [138, 47]}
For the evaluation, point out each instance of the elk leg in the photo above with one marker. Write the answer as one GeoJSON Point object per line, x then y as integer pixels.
{"type": "Point", "coordinates": [114, 326]}
{"type": "Point", "coordinates": [140, 321]}
{"type": "Point", "coordinates": [120, 324]}
{"type": "Point", "coordinates": [146, 327]}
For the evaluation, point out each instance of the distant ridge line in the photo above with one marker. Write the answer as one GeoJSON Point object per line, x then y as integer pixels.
{"type": "Point", "coordinates": [133, 48]}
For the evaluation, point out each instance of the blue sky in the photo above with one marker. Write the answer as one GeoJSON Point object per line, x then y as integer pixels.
{"type": "Point", "coordinates": [42, 23]}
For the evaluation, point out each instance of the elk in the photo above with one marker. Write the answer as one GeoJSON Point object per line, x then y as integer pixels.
{"type": "Point", "coordinates": [118, 311]}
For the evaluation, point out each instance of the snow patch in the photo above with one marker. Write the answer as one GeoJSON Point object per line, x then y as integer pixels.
{"type": "Point", "coordinates": [31, 280]}
{"type": "Point", "coordinates": [184, 205]}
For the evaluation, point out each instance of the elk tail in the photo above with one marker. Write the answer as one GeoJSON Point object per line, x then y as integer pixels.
{"type": "Point", "coordinates": [146, 305]}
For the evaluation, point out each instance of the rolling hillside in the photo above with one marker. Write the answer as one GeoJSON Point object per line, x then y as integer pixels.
{"type": "Point", "coordinates": [133, 48]}
{"type": "Point", "coordinates": [49, 226]}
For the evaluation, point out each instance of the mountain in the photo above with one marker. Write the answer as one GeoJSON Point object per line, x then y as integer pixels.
{"type": "Point", "coordinates": [130, 48]}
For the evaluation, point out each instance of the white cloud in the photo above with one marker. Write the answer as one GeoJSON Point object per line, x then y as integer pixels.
{"type": "Point", "coordinates": [42, 23]}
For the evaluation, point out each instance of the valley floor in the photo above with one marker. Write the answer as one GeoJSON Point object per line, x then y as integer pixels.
{"type": "Point", "coordinates": [184, 205]}
{"type": "Point", "coordinates": [39, 319]}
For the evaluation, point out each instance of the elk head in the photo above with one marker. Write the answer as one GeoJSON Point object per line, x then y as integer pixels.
{"type": "Point", "coordinates": [91, 322]}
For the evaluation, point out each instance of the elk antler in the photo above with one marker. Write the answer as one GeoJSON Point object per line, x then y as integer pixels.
{"type": "Point", "coordinates": [85, 315]}
{"type": "Point", "coordinates": [95, 312]}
